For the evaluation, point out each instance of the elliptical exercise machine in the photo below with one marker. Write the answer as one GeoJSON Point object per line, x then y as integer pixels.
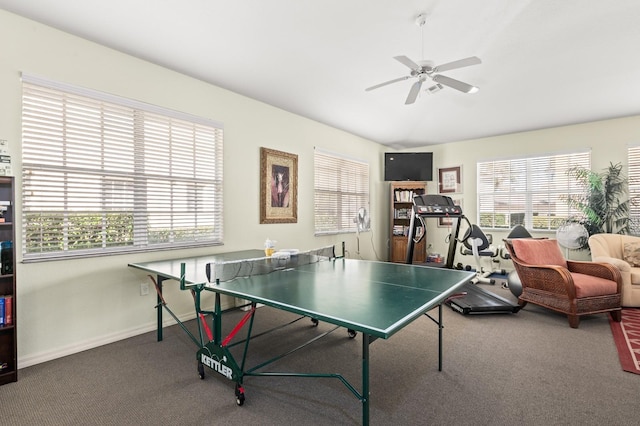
{"type": "Point", "coordinates": [475, 242]}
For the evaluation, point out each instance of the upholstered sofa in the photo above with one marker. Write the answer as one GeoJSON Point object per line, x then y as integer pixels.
{"type": "Point", "coordinates": [623, 251]}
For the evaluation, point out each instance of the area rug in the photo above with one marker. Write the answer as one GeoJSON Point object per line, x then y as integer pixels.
{"type": "Point", "coordinates": [626, 334]}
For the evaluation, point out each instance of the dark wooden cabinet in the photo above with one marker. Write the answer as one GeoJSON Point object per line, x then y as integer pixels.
{"type": "Point", "coordinates": [8, 332]}
{"type": "Point", "coordinates": [401, 203]}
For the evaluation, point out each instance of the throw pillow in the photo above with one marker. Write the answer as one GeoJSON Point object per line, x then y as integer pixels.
{"type": "Point", "coordinates": [539, 251]}
{"type": "Point", "coordinates": [632, 253]}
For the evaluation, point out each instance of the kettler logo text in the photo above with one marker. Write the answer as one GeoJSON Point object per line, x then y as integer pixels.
{"type": "Point", "coordinates": [217, 365]}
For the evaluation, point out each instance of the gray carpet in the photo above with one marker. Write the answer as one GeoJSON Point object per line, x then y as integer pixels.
{"type": "Point", "coordinates": [526, 368]}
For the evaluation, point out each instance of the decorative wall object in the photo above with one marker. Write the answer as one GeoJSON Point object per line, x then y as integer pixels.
{"type": "Point", "coordinates": [450, 180]}
{"type": "Point", "coordinates": [278, 186]}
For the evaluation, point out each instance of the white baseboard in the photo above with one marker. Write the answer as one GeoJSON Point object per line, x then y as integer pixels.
{"type": "Point", "coordinates": [28, 361]}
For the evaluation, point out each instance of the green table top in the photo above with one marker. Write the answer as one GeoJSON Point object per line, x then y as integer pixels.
{"type": "Point", "coordinates": [195, 272]}
{"type": "Point", "coordinates": [377, 298]}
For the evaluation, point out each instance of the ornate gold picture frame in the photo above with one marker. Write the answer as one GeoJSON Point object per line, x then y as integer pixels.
{"type": "Point", "coordinates": [278, 186]}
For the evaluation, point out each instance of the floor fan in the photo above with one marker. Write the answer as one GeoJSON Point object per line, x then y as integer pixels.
{"type": "Point", "coordinates": [572, 236]}
{"type": "Point", "coordinates": [363, 223]}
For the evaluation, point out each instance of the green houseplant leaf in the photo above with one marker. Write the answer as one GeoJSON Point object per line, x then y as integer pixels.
{"type": "Point", "coordinates": [604, 204]}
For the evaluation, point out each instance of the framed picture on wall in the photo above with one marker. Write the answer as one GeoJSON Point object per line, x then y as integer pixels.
{"type": "Point", "coordinates": [450, 180]}
{"type": "Point", "coordinates": [278, 186]}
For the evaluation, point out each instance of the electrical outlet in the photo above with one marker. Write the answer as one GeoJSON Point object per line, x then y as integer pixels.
{"type": "Point", "coordinates": [144, 289]}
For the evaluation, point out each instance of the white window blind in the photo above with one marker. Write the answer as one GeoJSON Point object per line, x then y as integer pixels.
{"type": "Point", "coordinates": [341, 188]}
{"type": "Point", "coordinates": [634, 189]}
{"type": "Point", "coordinates": [528, 191]}
{"type": "Point", "coordinates": [103, 174]}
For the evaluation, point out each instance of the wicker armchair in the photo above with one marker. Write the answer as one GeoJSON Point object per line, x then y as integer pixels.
{"type": "Point", "coordinates": [571, 287]}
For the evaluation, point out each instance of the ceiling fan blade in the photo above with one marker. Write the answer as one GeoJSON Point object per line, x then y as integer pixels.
{"type": "Point", "coordinates": [387, 82]}
{"type": "Point", "coordinates": [472, 60]}
{"type": "Point", "coordinates": [407, 62]}
{"type": "Point", "coordinates": [454, 84]}
{"type": "Point", "coordinates": [413, 93]}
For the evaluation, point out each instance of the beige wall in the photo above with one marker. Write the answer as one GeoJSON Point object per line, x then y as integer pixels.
{"type": "Point", "coordinates": [607, 140]}
{"type": "Point", "coordinates": [68, 306]}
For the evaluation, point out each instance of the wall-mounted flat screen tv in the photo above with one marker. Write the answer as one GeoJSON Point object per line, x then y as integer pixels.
{"type": "Point", "coordinates": [417, 166]}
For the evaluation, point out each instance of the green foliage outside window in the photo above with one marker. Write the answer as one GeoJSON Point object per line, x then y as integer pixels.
{"type": "Point", "coordinates": [81, 231]}
{"type": "Point", "coordinates": [90, 231]}
{"type": "Point", "coordinates": [502, 220]}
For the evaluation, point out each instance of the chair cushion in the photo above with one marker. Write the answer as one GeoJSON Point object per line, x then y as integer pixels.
{"type": "Point", "coordinates": [539, 252]}
{"type": "Point", "coordinates": [631, 253]}
{"type": "Point", "coordinates": [589, 286]}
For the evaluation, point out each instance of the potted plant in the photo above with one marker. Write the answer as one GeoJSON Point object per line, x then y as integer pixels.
{"type": "Point", "coordinates": [604, 205]}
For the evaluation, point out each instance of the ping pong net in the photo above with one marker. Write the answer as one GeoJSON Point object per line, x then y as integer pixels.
{"type": "Point", "coordinates": [229, 270]}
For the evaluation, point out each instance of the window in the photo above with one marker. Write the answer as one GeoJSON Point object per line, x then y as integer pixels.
{"type": "Point", "coordinates": [634, 189]}
{"type": "Point", "coordinates": [528, 191]}
{"type": "Point", "coordinates": [103, 174]}
{"type": "Point", "coordinates": [341, 188]}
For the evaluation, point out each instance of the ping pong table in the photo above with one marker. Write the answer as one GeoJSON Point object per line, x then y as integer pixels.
{"type": "Point", "coordinates": [374, 298]}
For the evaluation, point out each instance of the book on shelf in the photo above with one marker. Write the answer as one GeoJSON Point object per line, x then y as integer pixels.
{"type": "Point", "coordinates": [5, 165]}
{"type": "Point", "coordinates": [403, 195]}
{"type": "Point", "coordinates": [2, 317]}
{"type": "Point", "coordinates": [403, 230]}
{"type": "Point", "coordinates": [401, 213]}
{"type": "Point", "coordinates": [8, 310]}
{"type": "Point", "coordinates": [3, 210]}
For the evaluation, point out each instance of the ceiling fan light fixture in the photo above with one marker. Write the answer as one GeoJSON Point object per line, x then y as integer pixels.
{"type": "Point", "coordinates": [435, 88]}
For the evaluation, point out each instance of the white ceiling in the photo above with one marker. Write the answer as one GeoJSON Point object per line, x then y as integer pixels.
{"type": "Point", "coordinates": [545, 63]}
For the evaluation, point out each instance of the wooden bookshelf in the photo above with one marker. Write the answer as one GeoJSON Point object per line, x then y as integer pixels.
{"type": "Point", "coordinates": [8, 332]}
{"type": "Point", "coordinates": [401, 203]}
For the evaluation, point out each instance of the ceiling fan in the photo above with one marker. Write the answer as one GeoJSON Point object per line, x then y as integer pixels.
{"type": "Point", "coordinates": [425, 70]}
